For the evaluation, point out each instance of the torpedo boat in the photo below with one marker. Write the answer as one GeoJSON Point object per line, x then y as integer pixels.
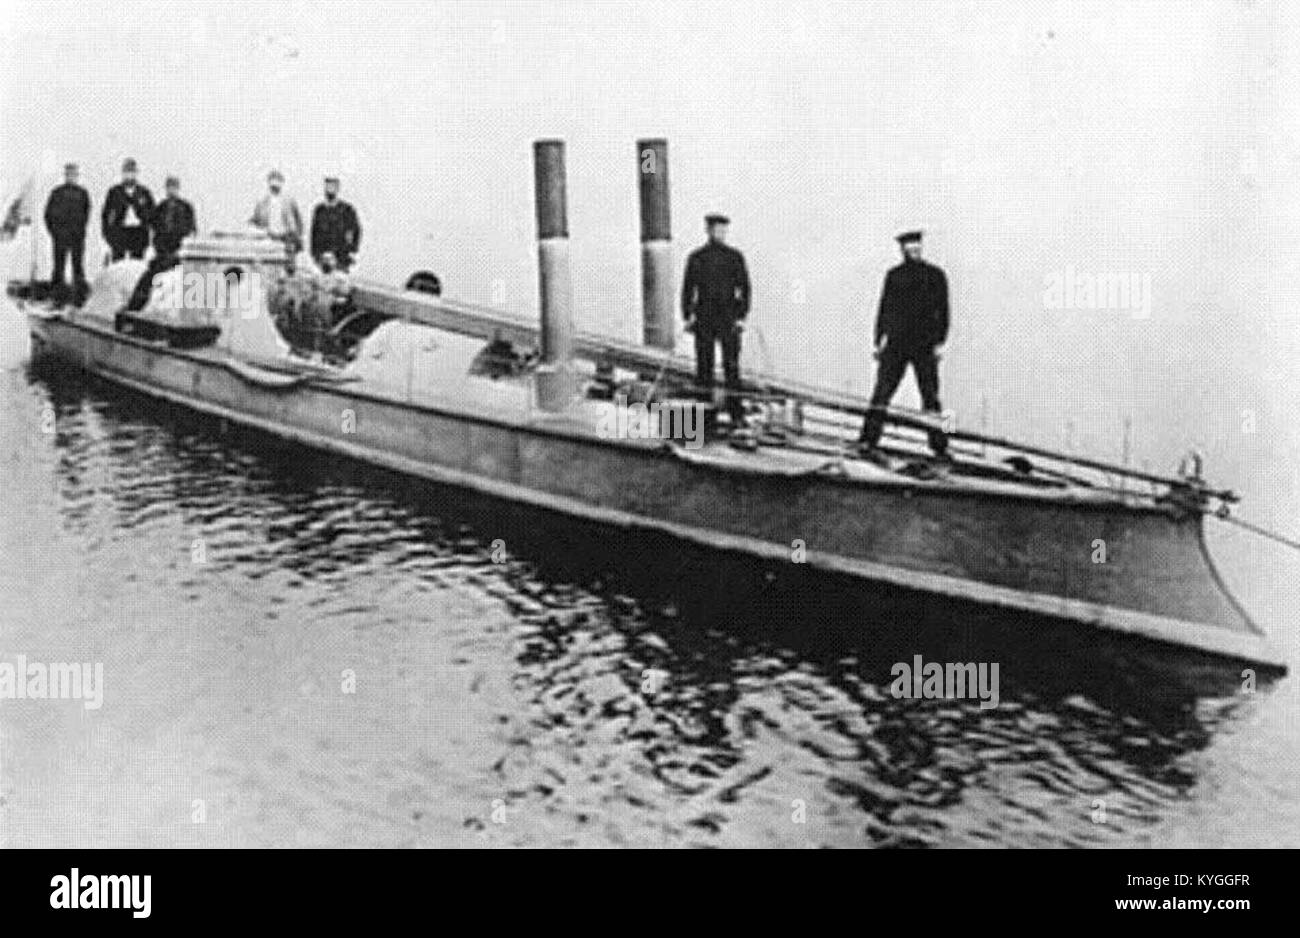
{"type": "Point", "coordinates": [537, 413]}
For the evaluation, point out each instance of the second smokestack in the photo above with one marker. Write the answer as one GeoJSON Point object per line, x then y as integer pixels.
{"type": "Point", "coordinates": [656, 244]}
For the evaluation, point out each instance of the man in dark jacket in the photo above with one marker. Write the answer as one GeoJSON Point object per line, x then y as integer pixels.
{"type": "Point", "coordinates": [128, 210]}
{"type": "Point", "coordinates": [173, 221]}
{"type": "Point", "coordinates": [715, 301]}
{"type": "Point", "coordinates": [66, 214]}
{"type": "Point", "coordinates": [335, 228]}
{"type": "Point", "coordinates": [911, 326]}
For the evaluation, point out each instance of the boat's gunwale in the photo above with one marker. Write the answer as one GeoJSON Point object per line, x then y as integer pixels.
{"type": "Point", "coordinates": [1251, 647]}
{"type": "Point", "coordinates": [542, 425]}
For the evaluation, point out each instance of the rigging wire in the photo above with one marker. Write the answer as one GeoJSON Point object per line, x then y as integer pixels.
{"type": "Point", "coordinates": [1257, 529]}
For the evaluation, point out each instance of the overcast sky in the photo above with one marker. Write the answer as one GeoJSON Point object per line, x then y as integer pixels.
{"type": "Point", "coordinates": [1155, 139]}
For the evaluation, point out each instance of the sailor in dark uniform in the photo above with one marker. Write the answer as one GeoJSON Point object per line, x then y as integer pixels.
{"type": "Point", "coordinates": [128, 211]}
{"type": "Point", "coordinates": [66, 213]}
{"type": "Point", "coordinates": [335, 228]}
{"type": "Point", "coordinates": [172, 223]}
{"type": "Point", "coordinates": [911, 326]}
{"type": "Point", "coordinates": [715, 301]}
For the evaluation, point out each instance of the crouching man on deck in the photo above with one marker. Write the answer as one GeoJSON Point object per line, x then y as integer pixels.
{"type": "Point", "coordinates": [911, 327]}
{"type": "Point", "coordinates": [715, 301]}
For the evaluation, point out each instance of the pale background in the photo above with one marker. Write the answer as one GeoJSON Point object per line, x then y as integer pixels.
{"type": "Point", "coordinates": [1160, 139]}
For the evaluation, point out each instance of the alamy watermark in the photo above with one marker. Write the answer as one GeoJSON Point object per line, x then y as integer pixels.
{"type": "Point", "coordinates": [81, 891]}
{"type": "Point", "coordinates": [1122, 291]}
{"type": "Point", "coordinates": [672, 420]}
{"type": "Point", "coordinates": [59, 680]}
{"type": "Point", "coordinates": [195, 290]}
{"type": "Point", "coordinates": [933, 680]}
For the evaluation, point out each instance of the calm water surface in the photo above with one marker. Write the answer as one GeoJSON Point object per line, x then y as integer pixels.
{"type": "Point", "coordinates": [586, 691]}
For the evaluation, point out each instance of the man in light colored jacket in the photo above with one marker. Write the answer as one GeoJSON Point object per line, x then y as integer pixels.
{"type": "Point", "coordinates": [277, 214]}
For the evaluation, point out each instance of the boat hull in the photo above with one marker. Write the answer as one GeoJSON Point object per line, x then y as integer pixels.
{"type": "Point", "coordinates": [1137, 570]}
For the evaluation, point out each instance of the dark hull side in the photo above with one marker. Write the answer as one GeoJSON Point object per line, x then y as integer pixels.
{"type": "Point", "coordinates": [1024, 553]}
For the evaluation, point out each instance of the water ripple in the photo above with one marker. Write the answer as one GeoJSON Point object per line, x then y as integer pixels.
{"type": "Point", "coordinates": [584, 689]}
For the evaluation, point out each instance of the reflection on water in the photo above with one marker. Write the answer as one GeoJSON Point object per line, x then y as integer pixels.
{"type": "Point", "coordinates": [588, 689]}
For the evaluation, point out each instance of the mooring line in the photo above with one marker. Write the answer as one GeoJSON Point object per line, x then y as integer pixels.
{"type": "Point", "coordinates": [1256, 529]}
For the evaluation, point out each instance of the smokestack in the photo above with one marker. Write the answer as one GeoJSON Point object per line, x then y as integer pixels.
{"type": "Point", "coordinates": [555, 382]}
{"type": "Point", "coordinates": [656, 244]}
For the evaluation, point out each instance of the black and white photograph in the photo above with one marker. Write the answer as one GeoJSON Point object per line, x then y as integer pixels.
{"type": "Point", "coordinates": [625, 424]}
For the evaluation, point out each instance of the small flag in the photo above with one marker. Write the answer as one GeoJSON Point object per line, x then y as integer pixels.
{"type": "Point", "coordinates": [18, 212]}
